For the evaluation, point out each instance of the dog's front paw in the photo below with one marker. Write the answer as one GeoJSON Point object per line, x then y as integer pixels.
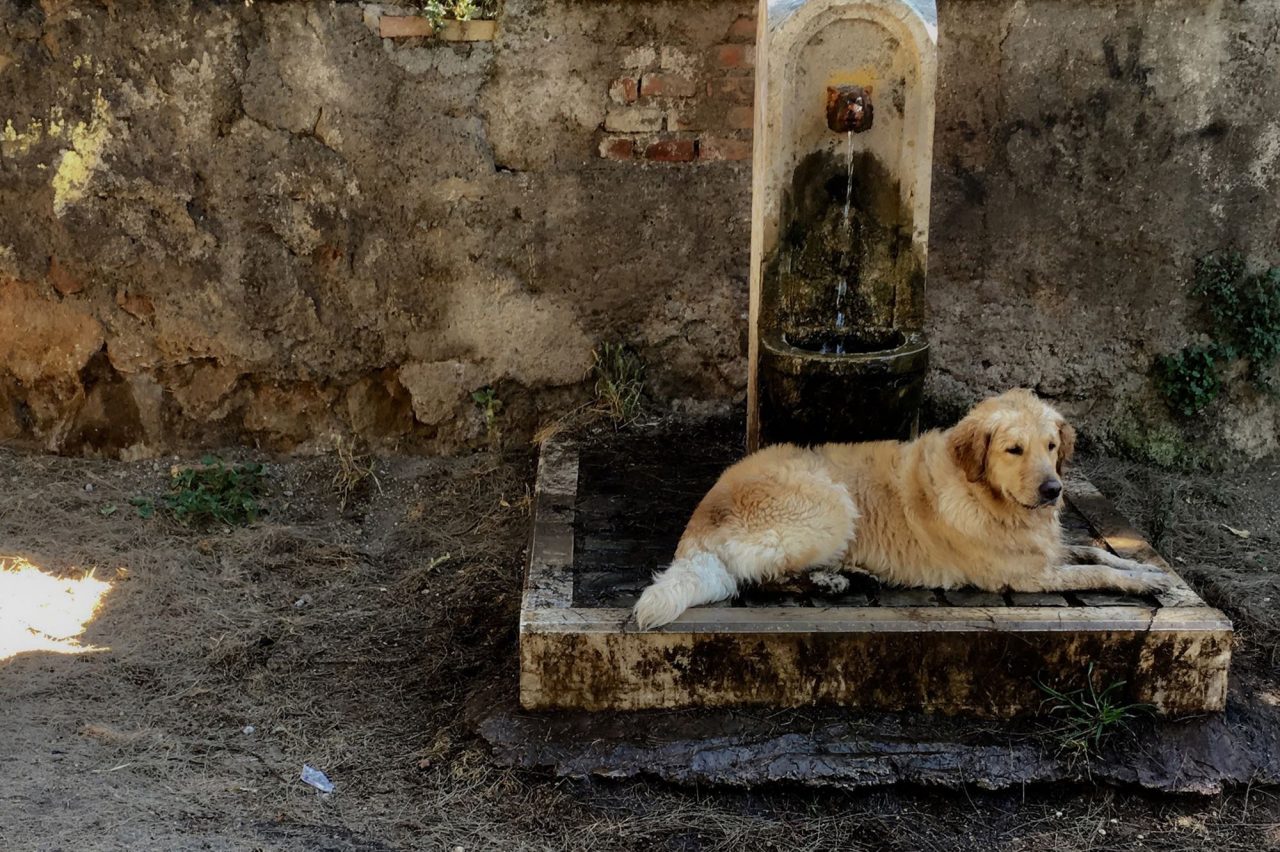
{"type": "Point", "coordinates": [1146, 580]}
{"type": "Point", "coordinates": [658, 605]}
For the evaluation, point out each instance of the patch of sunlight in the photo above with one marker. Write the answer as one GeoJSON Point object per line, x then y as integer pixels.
{"type": "Point", "coordinates": [1124, 543]}
{"type": "Point", "coordinates": [40, 612]}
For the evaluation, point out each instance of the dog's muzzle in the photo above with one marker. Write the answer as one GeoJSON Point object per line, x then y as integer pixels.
{"type": "Point", "coordinates": [1050, 491]}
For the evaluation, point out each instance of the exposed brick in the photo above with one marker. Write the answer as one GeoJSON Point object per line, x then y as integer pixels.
{"type": "Point", "coordinates": [617, 148]}
{"type": "Point", "coordinates": [414, 26]}
{"type": "Point", "coordinates": [667, 86]}
{"type": "Point", "coordinates": [710, 115]}
{"type": "Point", "coordinates": [714, 148]}
{"type": "Point", "coordinates": [740, 118]}
{"type": "Point", "coordinates": [624, 90]}
{"type": "Point", "coordinates": [671, 151]}
{"type": "Point", "coordinates": [736, 89]}
{"type": "Point", "coordinates": [633, 120]}
{"type": "Point", "coordinates": [404, 26]}
{"type": "Point", "coordinates": [743, 29]}
{"type": "Point", "coordinates": [734, 56]}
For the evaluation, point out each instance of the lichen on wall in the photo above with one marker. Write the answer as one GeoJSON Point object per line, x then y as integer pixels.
{"type": "Point", "coordinates": [76, 166]}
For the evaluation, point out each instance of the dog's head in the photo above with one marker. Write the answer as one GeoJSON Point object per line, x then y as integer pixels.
{"type": "Point", "coordinates": [1016, 446]}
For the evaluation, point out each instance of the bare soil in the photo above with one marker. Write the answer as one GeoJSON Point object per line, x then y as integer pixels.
{"type": "Point", "coordinates": [352, 638]}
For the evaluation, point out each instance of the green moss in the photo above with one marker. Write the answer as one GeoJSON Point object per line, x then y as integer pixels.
{"type": "Point", "coordinates": [1158, 443]}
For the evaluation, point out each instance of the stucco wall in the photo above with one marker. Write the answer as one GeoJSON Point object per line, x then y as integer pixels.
{"type": "Point", "coordinates": [222, 223]}
{"type": "Point", "coordinates": [1085, 154]}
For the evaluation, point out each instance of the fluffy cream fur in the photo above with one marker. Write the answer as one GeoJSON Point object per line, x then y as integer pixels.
{"type": "Point", "coordinates": [975, 505]}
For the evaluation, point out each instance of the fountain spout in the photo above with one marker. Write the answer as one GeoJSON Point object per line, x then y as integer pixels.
{"type": "Point", "coordinates": [849, 109]}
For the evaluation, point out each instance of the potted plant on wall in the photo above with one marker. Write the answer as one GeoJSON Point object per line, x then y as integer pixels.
{"type": "Point", "coordinates": [446, 20]}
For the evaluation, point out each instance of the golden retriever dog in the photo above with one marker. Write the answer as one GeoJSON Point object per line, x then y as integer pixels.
{"type": "Point", "coordinates": [975, 505]}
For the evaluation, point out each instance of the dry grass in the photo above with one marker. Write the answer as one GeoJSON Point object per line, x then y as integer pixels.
{"type": "Point", "coordinates": [1187, 517]}
{"type": "Point", "coordinates": [354, 634]}
{"type": "Point", "coordinates": [354, 471]}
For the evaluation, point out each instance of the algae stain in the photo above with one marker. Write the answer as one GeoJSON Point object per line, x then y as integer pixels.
{"type": "Point", "coordinates": [16, 143]}
{"type": "Point", "coordinates": [78, 163]}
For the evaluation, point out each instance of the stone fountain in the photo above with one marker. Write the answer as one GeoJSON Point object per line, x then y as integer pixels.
{"type": "Point", "coordinates": [844, 126]}
{"type": "Point", "coordinates": [840, 219]}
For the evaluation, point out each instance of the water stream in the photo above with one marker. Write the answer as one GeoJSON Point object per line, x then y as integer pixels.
{"type": "Point", "coordinates": [848, 168]}
{"type": "Point", "coordinates": [842, 285]}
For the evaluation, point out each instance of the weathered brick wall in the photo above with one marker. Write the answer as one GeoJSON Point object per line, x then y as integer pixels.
{"type": "Point", "coordinates": [674, 105]}
{"type": "Point", "coordinates": [270, 224]}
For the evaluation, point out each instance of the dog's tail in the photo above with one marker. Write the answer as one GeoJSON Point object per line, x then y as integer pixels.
{"type": "Point", "coordinates": [689, 581]}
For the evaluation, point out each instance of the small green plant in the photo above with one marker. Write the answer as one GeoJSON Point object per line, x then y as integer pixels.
{"type": "Point", "coordinates": [619, 388]}
{"type": "Point", "coordinates": [1244, 315]}
{"type": "Point", "coordinates": [1245, 308]}
{"type": "Point", "coordinates": [437, 11]}
{"type": "Point", "coordinates": [486, 399]}
{"type": "Point", "coordinates": [1189, 379]}
{"type": "Point", "coordinates": [1089, 716]}
{"type": "Point", "coordinates": [214, 492]}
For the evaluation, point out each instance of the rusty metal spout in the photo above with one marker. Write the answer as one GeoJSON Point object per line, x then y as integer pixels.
{"type": "Point", "coordinates": [849, 109]}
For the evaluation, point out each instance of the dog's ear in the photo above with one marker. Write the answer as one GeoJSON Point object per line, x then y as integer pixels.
{"type": "Point", "coordinates": [968, 443]}
{"type": "Point", "coordinates": [1066, 445]}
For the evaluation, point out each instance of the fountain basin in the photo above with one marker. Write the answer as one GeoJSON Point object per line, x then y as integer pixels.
{"type": "Point", "coordinates": [869, 395]}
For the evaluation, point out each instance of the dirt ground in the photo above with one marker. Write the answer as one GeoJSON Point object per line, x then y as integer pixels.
{"type": "Point", "coordinates": [352, 638]}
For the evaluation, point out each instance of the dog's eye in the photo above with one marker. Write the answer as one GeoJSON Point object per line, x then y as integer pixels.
{"type": "Point", "coordinates": [1014, 450]}
{"type": "Point", "coordinates": [1052, 447]}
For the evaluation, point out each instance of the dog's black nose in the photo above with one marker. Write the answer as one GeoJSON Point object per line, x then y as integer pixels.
{"type": "Point", "coordinates": [1050, 489]}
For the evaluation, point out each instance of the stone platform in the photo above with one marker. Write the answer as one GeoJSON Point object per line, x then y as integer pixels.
{"type": "Point", "coordinates": [608, 513]}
